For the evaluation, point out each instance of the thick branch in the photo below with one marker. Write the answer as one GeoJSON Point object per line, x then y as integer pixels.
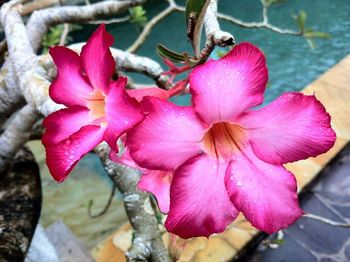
{"type": "Point", "coordinates": [212, 27]}
{"type": "Point", "coordinates": [40, 21]}
{"type": "Point", "coordinates": [147, 244]}
{"type": "Point", "coordinates": [27, 71]}
{"type": "Point", "coordinates": [16, 134]}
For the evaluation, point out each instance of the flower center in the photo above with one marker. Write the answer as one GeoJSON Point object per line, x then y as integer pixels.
{"type": "Point", "coordinates": [96, 104]}
{"type": "Point", "coordinates": [223, 139]}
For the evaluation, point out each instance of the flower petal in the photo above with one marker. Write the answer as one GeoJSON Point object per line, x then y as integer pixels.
{"type": "Point", "coordinates": [222, 89]}
{"type": "Point", "coordinates": [62, 157]}
{"type": "Point", "coordinates": [265, 193]}
{"type": "Point", "coordinates": [139, 94]}
{"type": "Point", "coordinates": [124, 158]}
{"type": "Point", "coordinates": [157, 182]}
{"type": "Point", "coordinates": [70, 86]}
{"type": "Point", "coordinates": [169, 132]}
{"type": "Point", "coordinates": [199, 203]}
{"type": "Point", "coordinates": [62, 124]}
{"type": "Point", "coordinates": [97, 60]}
{"type": "Point", "coordinates": [291, 128]}
{"type": "Point", "coordinates": [122, 112]}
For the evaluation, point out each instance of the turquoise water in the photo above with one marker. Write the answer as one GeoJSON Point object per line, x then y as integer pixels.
{"type": "Point", "coordinates": [292, 65]}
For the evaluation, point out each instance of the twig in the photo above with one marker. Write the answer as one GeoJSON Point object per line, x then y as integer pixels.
{"type": "Point", "coordinates": [241, 23]}
{"type": "Point", "coordinates": [64, 34]}
{"type": "Point", "coordinates": [147, 243]}
{"type": "Point", "coordinates": [105, 209]}
{"type": "Point", "coordinates": [111, 21]}
{"type": "Point", "coordinates": [263, 24]}
{"type": "Point", "coordinates": [148, 28]}
{"type": "Point", "coordinates": [326, 221]}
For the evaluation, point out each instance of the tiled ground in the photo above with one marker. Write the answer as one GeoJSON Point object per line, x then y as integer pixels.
{"type": "Point", "coordinates": [333, 90]}
{"type": "Point", "coordinates": [308, 240]}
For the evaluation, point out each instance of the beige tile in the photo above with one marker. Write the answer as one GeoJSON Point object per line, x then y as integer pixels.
{"type": "Point", "coordinates": [304, 171]}
{"type": "Point", "coordinates": [238, 237]}
{"type": "Point", "coordinates": [216, 250]}
{"type": "Point", "coordinates": [338, 75]}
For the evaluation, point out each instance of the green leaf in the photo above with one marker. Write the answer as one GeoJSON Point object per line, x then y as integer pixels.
{"type": "Point", "coordinates": [138, 16]}
{"type": "Point", "coordinates": [300, 19]}
{"type": "Point", "coordinates": [195, 13]}
{"type": "Point", "coordinates": [316, 34]}
{"type": "Point", "coordinates": [311, 43]}
{"type": "Point", "coordinates": [176, 57]}
{"type": "Point", "coordinates": [165, 52]}
{"type": "Point", "coordinates": [52, 37]}
{"type": "Point", "coordinates": [90, 203]}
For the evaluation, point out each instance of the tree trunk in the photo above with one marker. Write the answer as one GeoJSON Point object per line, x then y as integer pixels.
{"type": "Point", "coordinates": [20, 205]}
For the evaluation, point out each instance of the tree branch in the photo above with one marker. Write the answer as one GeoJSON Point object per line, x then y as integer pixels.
{"type": "Point", "coordinates": [28, 72]}
{"type": "Point", "coordinates": [212, 27]}
{"type": "Point", "coordinates": [326, 221]}
{"type": "Point", "coordinates": [17, 133]}
{"type": "Point", "coordinates": [40, 21]}
{"type": "Point", "coordinates": [148, 28]}
{"type": "Point", "coordinates": [147, 243]}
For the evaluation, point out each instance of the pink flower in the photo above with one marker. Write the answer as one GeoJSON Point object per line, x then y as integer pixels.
{"type": "Point", "coordinates": [226, 156]}
{"type": "Point", "coordinates": [97, 108]}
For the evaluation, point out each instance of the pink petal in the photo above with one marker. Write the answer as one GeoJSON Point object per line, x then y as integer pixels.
{"type": "Point", "coordinates": [199, 203]}
{"type": "Point", "coordinates": [157, 182]}
{"type": "Point", "coordinates": [291, 128]}
{"type": "Point", "coordinates": [62, 157]}
{"type": "Point", "coordinates": [122, 112]}
{"type": "Point", "coordinates": [139, 94]}
{"type": "Point", "coordinates": [124, 157]}
{"type": "Point", "coordinates": [63, 123]}
{"type": "Point", "coordinates": [265, 193]}
{"type": "Point", "coordinates": [168, 136]}
{"type": "Point", "coordinates": [70, 86]}
{"type": "Point", "coordinates": [222, 89]}
{"type": "Point", "coordinates": [97, 60]}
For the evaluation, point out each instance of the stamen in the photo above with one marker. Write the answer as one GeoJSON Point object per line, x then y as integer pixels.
{"type": "Point", "coordinates": [223, 139]}
{"type": "Point", "coordinates": [96, 104]}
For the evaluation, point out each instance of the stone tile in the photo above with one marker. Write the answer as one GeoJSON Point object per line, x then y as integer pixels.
{"type": "Point", "coordinates": [286, 252]}
{"type": "Point", "coordinates": [329, 198]}
{"type": "Point", "coordinates": [316, 236]}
